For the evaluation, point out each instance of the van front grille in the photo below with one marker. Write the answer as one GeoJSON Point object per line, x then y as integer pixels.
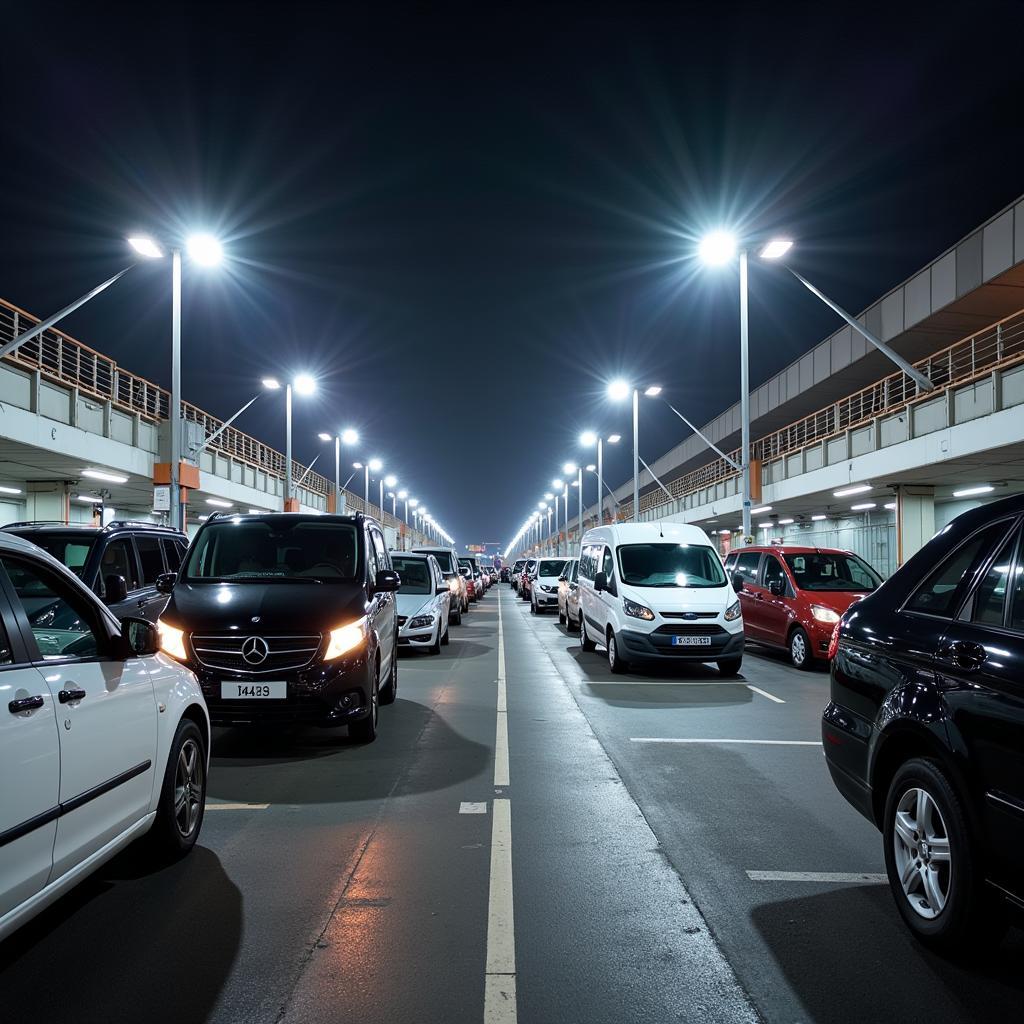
{"type": "Point", "coordinates": [224, 652]}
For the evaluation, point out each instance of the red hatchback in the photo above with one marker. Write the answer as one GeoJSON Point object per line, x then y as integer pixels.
{"type": "Point", "coordinates": [793, 596]}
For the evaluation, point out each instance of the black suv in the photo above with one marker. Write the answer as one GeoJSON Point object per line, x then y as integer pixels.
{"type": "Point", "coordinates": [119, 562]}
{"type": "Point", "coordinates": [287, 617]}
{"type": "Point", "coordinates": [924, 734]}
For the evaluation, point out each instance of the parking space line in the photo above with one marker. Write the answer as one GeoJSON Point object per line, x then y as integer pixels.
{"type": "Point", "coordinates": [472, 807]}
{"type": "Point", "coordinates": [702, 739]}
{"type": "Point", "coordinates": [216, 806]}
{"type": "Point", "coordinates": [661, 682]}
{"type": "Point", "coordinates": [500, 977]}
{"type": "Point", "coordinates": [501, 771]}
{"type": "Point", "coordinates": [765, 693]}
{"type": "Point", "coordinates": [853, 877]}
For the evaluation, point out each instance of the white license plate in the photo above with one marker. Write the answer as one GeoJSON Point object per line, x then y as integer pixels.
{"type": "Point", "coordinates": [277, 690]}
{"type": "Point", "coordinates": [691, 641]}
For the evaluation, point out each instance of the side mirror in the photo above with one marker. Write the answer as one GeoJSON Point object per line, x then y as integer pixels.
{"type": "Point", "coordinates": [441, 590]}
{"type": "Point", "coordinates": [775, 588]}
{"type": "Point", "coordinates": [600, 581]}
{"type": "Point", "coordinates": [737, 582]}
{"type": "Point", "coordinates": [387, 582]}
{"type": "Point", "coordinates": [140, 637]}
{"type": "Point", "coordinates": [165, 582]}
{"type": "Point", "coordinates": [115, 589]}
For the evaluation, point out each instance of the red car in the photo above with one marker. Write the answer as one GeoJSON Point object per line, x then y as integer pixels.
{"type": "Point", "coordinates": [525, 580]}
{"type": "Point", "coordinates": [792, 596]}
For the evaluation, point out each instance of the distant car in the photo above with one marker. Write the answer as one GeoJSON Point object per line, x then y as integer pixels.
{"type": "Point", "coordinates": [119, 562]}
{"type": "Point", "coordinates": [448, 560]}
{"type": "Point", "coordinates": [473, 593]}
{"type": "Point", "coordinates": [503, 575]}
{"type": "Point", "coordinates": [544, 588]}
{"type": "Point", "coordinates": [568, 595]}
{"type": "Point", "coordinates": [793, 596]}
{"type": "Point", "coordinates": [526, 578]}
{"type": "Point", "coordinates": [105, 738]}
{"type": "Point", "coordinates": [516, 573]}
{"type": "Point", "coordinates": [424, 602]}
{"type": "Point", "coordinates": [924, 733]}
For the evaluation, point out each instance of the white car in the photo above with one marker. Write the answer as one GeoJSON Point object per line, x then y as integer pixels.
{"type": "Point", "coordinates": [424, 601]}
{"type": "Point", "coordinates": [657, 592]}
{"type": "Point", "coordinates": [448, 560]}
{"type": "Point", "coordinates": [544, 588]}
{"type": "Point", "coordinates": [102, 738]}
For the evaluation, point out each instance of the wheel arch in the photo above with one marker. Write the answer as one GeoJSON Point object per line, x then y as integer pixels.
{"type": "Point", "coordinates": [195, 713]}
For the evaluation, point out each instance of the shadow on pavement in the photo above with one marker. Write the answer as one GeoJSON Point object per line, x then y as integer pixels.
{"type": "Point", "coordinates": [308, 766]}
{"type": "Point", "coordinates": [848, 957]}
{"type": "Point", "coordinates": [128, 943]}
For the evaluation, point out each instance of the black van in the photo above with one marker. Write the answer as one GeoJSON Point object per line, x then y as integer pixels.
{"type": "Point", "coordinates": [287, 617]}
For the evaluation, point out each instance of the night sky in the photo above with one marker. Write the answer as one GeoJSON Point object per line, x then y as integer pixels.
{"type": "Point", "coordinates": [465, 220]}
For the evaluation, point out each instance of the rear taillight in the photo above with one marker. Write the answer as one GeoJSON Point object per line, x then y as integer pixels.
{"type": "Point", "coordinates": [833, 644]}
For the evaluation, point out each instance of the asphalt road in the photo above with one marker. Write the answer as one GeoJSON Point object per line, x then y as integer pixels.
{"type": "Point", "coordinates": [529, 839]}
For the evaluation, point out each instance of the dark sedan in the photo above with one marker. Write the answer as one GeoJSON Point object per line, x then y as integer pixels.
{"type": "Point", "coordinates": [924, 734]}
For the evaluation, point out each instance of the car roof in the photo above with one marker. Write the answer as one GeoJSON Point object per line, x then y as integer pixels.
{"type": "Point", "coordinates": [648, 533]}
{"type": "Point", "coordinates": [116, 526]}
{"type": "Point", "coordinates": [793, 549]}
{"type": "Point", "coordinates": [419, 555]}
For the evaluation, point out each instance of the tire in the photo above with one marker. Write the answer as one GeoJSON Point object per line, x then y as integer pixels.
{"type": "Point", "coordinates": [445, 640]}
{"type": "Point", "coordinates": [616, 663]}
{"type": "Point", "coordinates": [562, 620]}
{"type": "Point", "coordinates": [389, 692]}
{"type": "Point", "coordinates": [179, 815]}
{"type": "Point", "coordinates": [364, 730]}
{"type": "Point", "coordinates": [533, 606]}
{"type": "Point", "coordinates": [729, 666]}
{"type": "Point", "coordinates": [585, 642]}
{"type": "Point", "coordinates": [435, 647]}
{"type": "Point", "coordinates": [455, 618]}
{"type": "Point", "coordinates": [800, 649]}
{"type": "Point", "coordinates": [966, 916]}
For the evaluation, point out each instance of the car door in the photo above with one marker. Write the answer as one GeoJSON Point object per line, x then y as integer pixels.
{"type": "Point", "coordinates": [29, 770]}
{"type": "Point", "coordinates": [443, 601]}
{"type": "Point", "coordinates": [605, 603]}
{"type": "Point", "coordinates": [106, 710]}
{"type": "Point", "coordinates": [748, 566]}
{"type": "Point", "coordinates": [119, 559]}
{"type": "Point", "coordinates": [384, 615]}
{"type": "Point", "coordinates": [774, 610]}
{"type": "Point", "coordinates": [980, 668]}
{"type": "Point", "coordinates": [149, 601]}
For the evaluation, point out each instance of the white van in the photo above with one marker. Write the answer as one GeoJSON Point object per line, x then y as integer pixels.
{"type": "Point", "coordinates": [657, 591]}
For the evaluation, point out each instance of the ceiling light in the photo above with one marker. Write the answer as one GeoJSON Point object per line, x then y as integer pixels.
{"type": "Point", "coordinates": [785, 522]}
{"type": "Point", "coordinates": [969, 492]}
{"type": "Point", "coordinates": [818, 518]}
{"type": "Point", "coordinates": [89, 498]}
{"type": "Point", "coordinates": [759, 511]}
{"type": "Point", "coordinates": [847, 492]}
{"type": "Point", "coordinates": [765, 526]}
{"type": "Point", "coordinates": [776, 247]}
{"type": "Point", "coordinates": [255, 511]}
{"type": "Point", "coordinates": [110, 478]}
{"type": "Point", "coordinates": [10, 490]}
{"type": "Point", "coordinates": [218, 502]}
{"type": "Point", "coordinates": [863, 506]}
{"type": "Point", "coordinates": [891, 506]}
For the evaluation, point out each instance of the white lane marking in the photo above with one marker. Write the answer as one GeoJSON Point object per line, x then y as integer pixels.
{"type": "Point", "coordinates": [765, 693]}
{"type": "Point", "coordinates": [660, 682]}
{"type": "Point", "coordinates": [501, 777]}
{"type": "Point", "coordinates": [817, 876]}
{"type": "Point", "coordinates": [701, 739]}
{"type": "Point", "coordinates": [472, 807]}
{"type": "Point", "coordinates": [215, 806]}
{"type": "Point", "coordinates": [500, 979]}
{"type": "Point", "coordinates": [501, 663]}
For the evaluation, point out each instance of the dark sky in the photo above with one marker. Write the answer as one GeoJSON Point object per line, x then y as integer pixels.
{"type": "Point", "coordinates": [465, 220]}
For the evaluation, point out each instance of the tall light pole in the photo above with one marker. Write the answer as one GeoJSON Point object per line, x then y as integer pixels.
{"type": "Point", "coordinates": [617, 391]}
{"type": "Point", "coordinates": [387, 481]}
{"type": "Point", "coordinates": [347, 437]}
{"type": "Point", "coordinates": [376, 465]}
{"type": "Point", "coordinates": [303, 385]}
{"type": "Point", "coordinates": [559, 486]}
{"type": "Point", "coordinates": [588, 439]}
{"type": "Point", "coordinates": [568, 469]}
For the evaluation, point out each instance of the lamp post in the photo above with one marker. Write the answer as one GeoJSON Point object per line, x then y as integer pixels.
{"type": "Point", "coordinates": [559, 485]}
{"type": "Point", "coordinates": [588, 439]}
{"type": "Point", "coordinates": [569, 468]}
{"type": "Point", "coordinates": [375, 465]}
{"type": "Point", "coordinates": [348, 437]}
{"type": "Point", "coordinates": [617, 391]}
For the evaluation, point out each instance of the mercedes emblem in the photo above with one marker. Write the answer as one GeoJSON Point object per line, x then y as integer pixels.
{"type": "Point", "coordinates": [255, 650]}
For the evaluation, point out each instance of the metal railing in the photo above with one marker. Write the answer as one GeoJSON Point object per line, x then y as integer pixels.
{"type": "Point", "coordinates": [996, 347]}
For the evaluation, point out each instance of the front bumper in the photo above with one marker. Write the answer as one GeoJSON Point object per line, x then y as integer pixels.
{"type": "Point", "coordinates": [420, 637]}
{"type": "Point", "coordinates": [659, 647]}
{"type": "Point", "coordinates": [544, 600]}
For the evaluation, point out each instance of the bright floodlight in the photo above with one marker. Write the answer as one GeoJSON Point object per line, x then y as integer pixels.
{"type": "Point", "coordinates": [618, 390]}
{"type": "Point", "coordinates": [205, 250]}
{"type": "Point", "coordinates": [304, 384]}
{"type": "Point", "coordinates": [717, 248]}
{"type": "Point", "coordinates": [548, 495]}
{"type": "Point", "coordinates": [375, 465]}
{"type": "Point", "coordinates": [323, 436]}
{"type": "Point", "coordinates": [614, 438]}
{"type": "Point", "coordinates": [653, 390]}
{"type": "Point", "coordinates": [390, 480]}
{"type": "Point", "coordinates": [559, 484]}
{"type": "Point", "coordinates": [776, 247]}
{"type": "Point", "coordinates": [569, 468]}
{"type": "Point", "coordinates": [588, 439]}
{"type": "Point", "coordinates": [591, 468]}
{"type": "Point", "coordinates": [349, 436]}
{"type": "Point", "coordinates": [542, 504]}
{"type": "Point", "coordinates": [271, 383]}
{"type": "Point", "coordinates": [145, 246]}
{"type": "Point", "coordinates": [413, 502]}
{"type": "Point", "coordinates": [357, 465]}
{"type": "Point", "coordinates": [402, 495]}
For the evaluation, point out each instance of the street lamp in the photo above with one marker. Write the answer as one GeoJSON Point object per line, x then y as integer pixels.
{"type": "Point", "coordinates": [348, 437]}
{"type": "Point", "coordinates": [388, 481]}
{"type": "Point", "coordinates": [617, 391]}
{"type": "Point", "coordinates": [371, 464]}
{"type": "Point", "coordinates": [588, 439]}
{"type": "Point", "coordinates": [568, 469]}
{"type": "Point", "coordinates": [303, 385]}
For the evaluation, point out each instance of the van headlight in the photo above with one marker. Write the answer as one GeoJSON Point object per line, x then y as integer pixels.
{"type": "Point", "coordinates": [637, 611]}
{"type": "Point", "coordinates": [823, 614]}
{"type": "Point", "coordinates": [733, 612]}
{"type": "Point", "coordinates": [172, 640]}
{"type": "Point", "coordinates": [345, 639]}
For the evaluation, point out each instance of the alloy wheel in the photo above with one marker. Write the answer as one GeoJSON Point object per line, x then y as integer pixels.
{"type": "Point", "coordinates": [188, 788]}
{"type": "Point", "coordinates": [798, 648]}
{"type": "Point", "coordinates": [923, 857]}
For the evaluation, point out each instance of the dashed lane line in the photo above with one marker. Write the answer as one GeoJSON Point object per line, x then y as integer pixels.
{"type": "Point", "coordinates": [765, 693]}
{"type": "Point", "coordinates": [851, 877]}
{"type": "Point", "coordinates": [212, 805]}
{"type": "Point", "coordinates": [703, 739]}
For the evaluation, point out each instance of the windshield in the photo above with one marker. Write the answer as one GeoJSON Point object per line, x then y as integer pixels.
{"type": "Point", "coordinates": [670, 565]}
{"type": "Point", "coordinates": [518, 567]}
{"type": "Point", "coordinates": [444, 560]}
{"type": "Point", "coordinates": [414, 573]}
{"type": "Point", "coordinates": [280, 549]}
{"type": "Point", "coordinates": [72, 549]}
{"type": "Point", "coordinates": [824, 570]}
{"type": "Point", "coordinates": [551, 567]}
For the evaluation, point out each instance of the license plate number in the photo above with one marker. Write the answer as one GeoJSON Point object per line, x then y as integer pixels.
{"type": "Point", "coordinates": [277, 690]}
{"type": "Point", "coordinates": [691, 641]}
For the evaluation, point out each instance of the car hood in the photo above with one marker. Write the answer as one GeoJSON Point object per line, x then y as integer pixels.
{"type": "Point", "coordinates": [264, 607]}
{"type": "Point", "coordinates": [680, 599]}
{"type": "Point", "coordinates": [412, 604]}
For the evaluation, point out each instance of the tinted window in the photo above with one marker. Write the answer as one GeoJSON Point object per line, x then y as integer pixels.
{"type": "Point", "coordinates": [987, 604]}
{"type": "Point", "coordinates": [772, 571]}
{"type": "Point", "coordinates": [383, 558]}
{"type": "Point", "coordinates": [1017, 596]}
{"type": "Point", "coordinates": [730, 561]}
{"type": "Point", "coordinates": [938, 594]}
{"type": "Point", "coordinates": [119, 560]}
{"type": "Point", "coordinates": [172, 553]}
{"type": "Point", "coordinates": [151, 559]}
{"type": "Point", "coordinates": [670, 565]}
{"type": "Point", "coordinates": [551, 567]}
{"type": "Point", "coordinates": [70, 549]}
{"type": "Point", "coordinates": [415, 575]}
{"type": "Point", "coordinates": [746, 565]}
{"type": "Point", "coordinates": [61, 620]}
{"type": "Point", "coordinates": [574, 574]}
{"type": "Point", "coordinates": [824, 570]}
{"type": "Point", "coordinates": [444, 560]}
{"type": "Point", "coordinates": [607, 565]}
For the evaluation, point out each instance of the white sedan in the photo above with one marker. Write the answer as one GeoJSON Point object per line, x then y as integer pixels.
{"type": "Point", "coordinates": [424, 601]}
{"type": "Point", "coordinates": [103, 739]}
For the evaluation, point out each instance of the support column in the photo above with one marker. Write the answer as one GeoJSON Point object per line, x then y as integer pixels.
{"type": "Point", "coordinates": [915, 519]}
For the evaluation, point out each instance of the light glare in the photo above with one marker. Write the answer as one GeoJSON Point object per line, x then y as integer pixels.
{"type": "Point", "coordinates": [205, 250]}
{"type": "Point", "coordinates": [304, 384]}
{"type": "Point", "coordinates": [776, 247]}
{"type": "Point", "coordinates": [145, 246]}
{"type": "Point", "coordinates": [618, 389]}
{"type": "Point", "coordinates": [717, 248]}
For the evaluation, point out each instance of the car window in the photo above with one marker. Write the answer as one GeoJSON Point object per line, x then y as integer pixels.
{"type": "Point", "coordinates": [373, 565]}
{"type": "Point", "coordinates": [772, 572]}
{"type": "Point", "coordinates": [746, 565]}
{"type": "Point", "coordinates": [937, 595]}
{"type": "Point", "coordinates": [62, 620]}
{"type": "Point", "coordinates": [730, 561]}
{"type": "Point", "coordinates": [172, 553]}
{"type": "Point", "coordinates": [989, 599]}
{"type": "Point", "coordinates": [607, 564]}
{"type": "Point", "coordinates": [70, 548]}
{"type": "Point", "coordinates": [118, 560]}
{"type": "Point", "coordinates": [415, 574]}
{"type": "Point", "coordinates": [150, 558]}
{"type": "Point", "coordinates": [574, 575]}
{"type": "Point", "coordinates": [1016, 620]}
{"type": "Point", "coordinates": [667, 564]}
{"type": "Point", "coordinates": [383, 558]}
{"type": "Point", "coordinates": [832, 570]}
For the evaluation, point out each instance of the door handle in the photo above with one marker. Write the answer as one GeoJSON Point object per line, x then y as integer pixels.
{"type": "Point", "coordinates": [25, 704]}
{"type": "Point", "coordinates": [69, 694]}
{"type": "Point", "coordinates": [142, 602]}
{"type": "Point", "coordinates": [964, 654]}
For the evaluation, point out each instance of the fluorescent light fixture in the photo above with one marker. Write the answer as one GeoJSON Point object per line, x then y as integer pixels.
{"type": "Point", "coordinates": [765, 526]}
{"type": "Point", "coordinates": [890, 506]}
{"type": "Point", "coordinates": [776, 247]}
{"type": "Point", "coordinates": [761, 510]}
{"type": "Point", "coordinates": [588, 439]}
{"type": "Point", "coordinates": [218, 502]}
{"type": "Point", "coordinates": [349, 436]}
{"type": "Point", "coordinates": [618, 389]}
{"type": "Point", "coordinates": [145, 246]}
{"type": "Point", "coordinates": [847, 492]}
{"type": "Point", "coordinates": [110, 478]}
{"type": "Point", "coordinates": [205, 250]}
{"type": "Point", "coordinates": [785, 522]}
{"type": "Point", "coordinates": [864, 506]}
{"type": "Point", "coordinates": [304, 384]}
{"type": "Point", "coordinates": [970, 492]}
{"type": "Point", "coordinates": [653, 391]}
{"type": "Point", "coordinates": [323, 436]}
{"type": "Point", "coordinates": [717, 248]}
{"type": "Point", "coordinates": [614, 438]}
{"type": "Point", "coordinates": [818, 518]}
{"type": "Point", "coordinates": [89, 499]}
{"type": "Point", "coordinates": [271, 383]}
{"type": "Point", "coordinates": [10, 490]}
